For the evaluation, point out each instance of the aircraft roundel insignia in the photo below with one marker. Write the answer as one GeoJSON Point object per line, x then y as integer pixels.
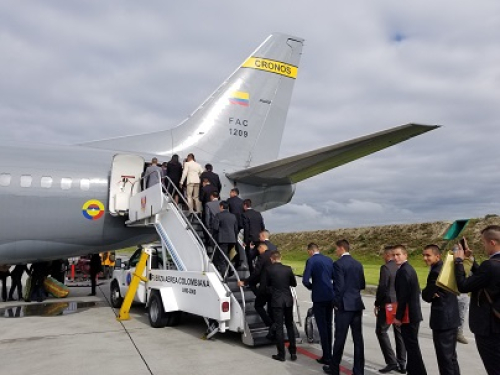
{"type": "Point", "coordinates": [93, 209]}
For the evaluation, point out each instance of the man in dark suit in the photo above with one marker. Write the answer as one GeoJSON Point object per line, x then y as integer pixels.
{"type": "Point", "coordinates": [318, 277]}
{"type": "Point", "coordinates": [348, 281]}
{"type": "Point", "coordinates": [205, 192]}
{"type": "Point", "coordinates": [264, 238]}
{"type": "Point", "coordinates": [225, 229]}
{"type": "Point", "coordinates": [236, 205]}
{"type": "Point", "coordinates": [211, 176]}
{"type": "Point", "coordinates": [444, 319]}
{"type": "Point", "coordinates": [408, 297]}
{"type": "Point", "coordinates": [254, 280]}
{"type": "Point", "coordinates": [484, 286]}
{"type": "Point", "coordinates": [253, 223]}
{"type": "Point", "coordinates": [386, 293]}
{"type": "Point", "coordinates": [276, 282]}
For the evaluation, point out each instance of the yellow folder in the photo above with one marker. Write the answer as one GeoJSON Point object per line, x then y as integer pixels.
{"type": "Point", "coordinates": [446, 278]}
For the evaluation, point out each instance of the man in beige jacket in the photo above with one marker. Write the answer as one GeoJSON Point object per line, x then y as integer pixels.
{"type": "Point", "coordinates": [192, 171]}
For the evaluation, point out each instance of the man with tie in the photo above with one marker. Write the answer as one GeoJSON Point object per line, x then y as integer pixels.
{"type": "Point", "coordinates": [445, 318]}
{"type": "Point", "coordinates": [386, 293]}
{"type": "Point", "coordinates": [318, 277]}
{"type": "Point", "coordinates": [408, 297]}
{"type": "Point", "coordinates": [348, 281]}
{"type": "Point", "coordinates": [484, 286]}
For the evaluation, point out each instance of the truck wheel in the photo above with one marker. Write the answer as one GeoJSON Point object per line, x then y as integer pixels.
{"type": "Point", "coordinates": [155, 311]}
{"type": "Point", "coordinates": [116, 298]}
{"type": "Point", "coordinates": [172, 318]}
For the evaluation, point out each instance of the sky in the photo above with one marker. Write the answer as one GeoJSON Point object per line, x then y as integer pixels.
{"type": "Point", "coordinates": [72, 72]}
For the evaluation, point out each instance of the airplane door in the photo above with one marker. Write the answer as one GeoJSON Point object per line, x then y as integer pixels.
{"type": "Point", "coordinates": [125, 172]}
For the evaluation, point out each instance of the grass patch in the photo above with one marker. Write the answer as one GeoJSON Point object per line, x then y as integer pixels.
{"type": "Point", "coordinates": [371, 268]}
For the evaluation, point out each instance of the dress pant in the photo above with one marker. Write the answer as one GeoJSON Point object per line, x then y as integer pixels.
{"type": "Point", "coordinates": [93, 281]}
{"type": "Point", "coordinates": [285, 314]}
{"type": "Point", "coordinates": [445, 343]}
{"type": "Point", "coordinates": [415, 364]}
{"type": "Point", "coordinates": [381, 330]}
{"type": "Point", "coordinates": [251, 254]}
{"type": "Point", "coordinates": [487, 347]}
{"type": "Point", "coordinates": [344, 320]}
{"type": "Point", "coordinates": [16, 284]}
{"type": "Point", "coordinates": [219, 260]}
{"type": "Point", "coordinates": [323, 313]}
{"type": "Point", "coordinates": [193, 191]}
{"type": "Point", "coordinates": [3, 280]}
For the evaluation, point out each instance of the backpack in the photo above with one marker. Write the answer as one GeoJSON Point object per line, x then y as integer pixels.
{"type": "Point", "coordinates": [311, 328]}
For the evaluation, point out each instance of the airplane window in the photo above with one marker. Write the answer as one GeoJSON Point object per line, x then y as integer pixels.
{"type": "Point", "coordinates": [5, 179]}
{"type": "Point", "coordinates": [66, 183]}
{"type": "Point", "coordinates": [85, 184]}
{"type": "Point", "coordinates": [46, 182]}
{"type": "Point", "coordinates": [26, 181]}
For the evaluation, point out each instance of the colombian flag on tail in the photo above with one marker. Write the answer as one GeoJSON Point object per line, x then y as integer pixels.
{"type": "Point", "coordinates": [240, 98]}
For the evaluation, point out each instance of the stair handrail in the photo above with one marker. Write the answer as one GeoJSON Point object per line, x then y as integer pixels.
{"type": "Point", "coordinates": [193, 231]}
{"type": "Point", "coordinates": [205, 230]}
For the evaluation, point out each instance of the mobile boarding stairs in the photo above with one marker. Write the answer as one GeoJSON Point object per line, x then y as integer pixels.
{"type": "Point", "coordinates": [194, 285]}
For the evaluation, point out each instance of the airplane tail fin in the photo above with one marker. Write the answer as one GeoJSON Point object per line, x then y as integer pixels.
{"type": "Point", "coordinates": [242, 122]}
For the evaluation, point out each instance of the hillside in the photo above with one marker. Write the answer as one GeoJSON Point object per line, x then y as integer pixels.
{"type": "Point", "coordinates": [369, 241]}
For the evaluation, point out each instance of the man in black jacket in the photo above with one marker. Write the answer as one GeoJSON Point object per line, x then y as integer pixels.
{"type": "Point", "coordinates": [386, 293]}
{"type": "Point", "coordinates": [255, 279]}
{"type": "Point", "coordinates": [253, 223]}
{"type": "Point", "coordinates": [348, 281]}
{"type": "Point", "coordinates": [225, 230]}
{"type": "Point", "coordinates": [236, 205]}
{"type": "Point", "coordinates": [211, 176]}
{"type": "Point", "coordinates": [408, 297]}
{"type": "Point", "coordinates": [276, 282]}
{"type": "Point", "coordinates": [484, 285]}
{"type": "Point", "coordinates": [444, 319]}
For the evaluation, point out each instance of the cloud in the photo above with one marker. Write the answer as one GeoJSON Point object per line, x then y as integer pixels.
{"type": "Point", "coordinates": [73, 72]}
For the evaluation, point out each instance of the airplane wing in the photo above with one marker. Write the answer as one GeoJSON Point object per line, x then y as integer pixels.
{"type": "Point", "coordinates": [297, 168]}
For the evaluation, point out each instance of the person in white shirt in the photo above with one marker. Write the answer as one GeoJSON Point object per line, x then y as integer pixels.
{"type": "Point", "coordinates": [192, 171]}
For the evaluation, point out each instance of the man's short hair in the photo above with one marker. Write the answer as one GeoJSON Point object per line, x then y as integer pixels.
{"type": "Point", "coordinates": [215, 194]}
{"type": "Point", "coordinates": [343, 244]}
{"type": "Point", "coordinates": [263, 246]}
{"type": "Point", "coordinates": [191, 156]}
{"type": "Point", "coordinates": [388, 248]}
{"type": "Point", "coordinates": [154, 160]}
{"type": "Point", "coordinates": [205, 179]}
{"type": "Point", "coordinates": [401, 247]}
{"type": "Point", "coordinates": [247, 202]}
{"type": "Point", "coordinates": [491, 233]}
{"type": "Point", "coordinates": [224, 205]}
{"type": "Point", "coordinates": [209, 167]}
{"type": "Point", "coordinates": [312, 246]}
{"type": "Point", "coordinates": [436, 250]}
{"type": "Point", "coordinates": [275, 255]}
{"type": "Point", "coordinates": [236, 190]}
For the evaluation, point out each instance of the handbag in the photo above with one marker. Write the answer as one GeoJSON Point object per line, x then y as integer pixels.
{"type": "Point", "coordinates": [390, 313]}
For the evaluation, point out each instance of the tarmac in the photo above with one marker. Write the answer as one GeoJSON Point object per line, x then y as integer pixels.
{"type": "Point", "coordinates": [80, 335]}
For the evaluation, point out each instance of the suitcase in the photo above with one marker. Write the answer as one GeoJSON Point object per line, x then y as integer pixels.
{"type": "Point", "coordinates": [311, 328]}
{"type": "Point", "coordinates": [55, 288]}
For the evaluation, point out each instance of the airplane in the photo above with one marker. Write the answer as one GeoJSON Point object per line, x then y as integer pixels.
{"type": "Point", "coordinates": [63, 201]}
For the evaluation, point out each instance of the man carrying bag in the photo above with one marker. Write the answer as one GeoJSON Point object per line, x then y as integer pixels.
{"type": "Point", "coordinates": [484, 286]}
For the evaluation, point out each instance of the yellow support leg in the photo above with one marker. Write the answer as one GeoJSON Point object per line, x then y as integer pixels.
{"type": "Point", "coordinates": [134, 284]}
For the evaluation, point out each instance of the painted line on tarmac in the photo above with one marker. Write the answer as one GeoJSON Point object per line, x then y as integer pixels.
{"type": "Point", "coordinates": [311, 355]}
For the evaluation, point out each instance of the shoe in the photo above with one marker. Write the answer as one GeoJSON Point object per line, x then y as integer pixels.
{"type": "Point", "coordinates": [11, 299]}
{"type": "Point", "coordinates": [323, 361]}
{"type": "Point", "coordinates": [327, 370]}
{"type": "Point", "coordinates": [278, 358]}
{"type": "Point", "coordinates": [461, 338]}
{"type": "Point", "coordinates": [91, 294]}
{"type": "Point", "coordinates": [388, 368]}
{"type": "Point", "coordinates": [293, 357]}
{"type": "Point", "coordinates": [402, 370]}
